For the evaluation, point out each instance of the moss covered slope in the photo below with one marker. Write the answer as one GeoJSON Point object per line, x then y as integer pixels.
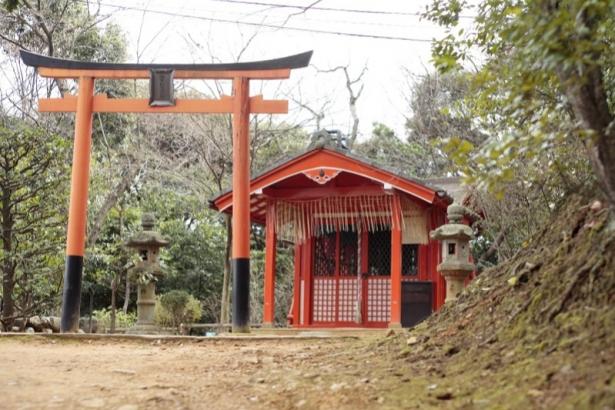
{"type": "Point", "coordinates": [535, 332]}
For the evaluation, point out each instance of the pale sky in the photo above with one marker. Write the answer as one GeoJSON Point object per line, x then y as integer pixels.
{"type": "Point", "coordinates": [161, 30]}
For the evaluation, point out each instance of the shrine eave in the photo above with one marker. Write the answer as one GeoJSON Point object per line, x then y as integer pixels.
{"type": "Point", "coordinates": [289, 62]}
{"type": "Point", "coordinates": [369, 169]}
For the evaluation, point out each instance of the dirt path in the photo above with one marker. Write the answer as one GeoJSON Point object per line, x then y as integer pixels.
{"type": "Point", "coordinates": [41, 373]}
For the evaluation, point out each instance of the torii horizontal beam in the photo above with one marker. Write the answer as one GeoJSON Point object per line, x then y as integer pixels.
{"type": "Point", "coordinates": [100, 103]}
{"type": "Point", "coordinates": [264, 70]}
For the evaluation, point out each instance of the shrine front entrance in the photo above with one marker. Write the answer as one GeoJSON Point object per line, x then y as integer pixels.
{"type": "Point", "coordinates": [351, 277]}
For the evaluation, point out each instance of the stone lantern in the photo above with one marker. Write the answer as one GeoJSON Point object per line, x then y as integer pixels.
{"type": "Point", "coordinates": [455, 238]}
{"type": "Point", "coordinates": [147, 243]}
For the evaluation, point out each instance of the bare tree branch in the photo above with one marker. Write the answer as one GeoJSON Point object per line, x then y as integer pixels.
{"type": "Point", "coordinates": [305, 9]}
{"type": "Point", "coordinates": [353, 97]}
{"type": "Point", "coordinates": [109, 203]}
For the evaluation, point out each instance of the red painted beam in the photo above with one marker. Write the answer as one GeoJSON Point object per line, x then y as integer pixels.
{"type": "Point", "coordinates": [321, 192]}
{"type": "Point", "coordinates": [101, 103]}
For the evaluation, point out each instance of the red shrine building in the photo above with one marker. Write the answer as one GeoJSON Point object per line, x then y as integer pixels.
{"type": "Point", "coordinates": [363, 254]}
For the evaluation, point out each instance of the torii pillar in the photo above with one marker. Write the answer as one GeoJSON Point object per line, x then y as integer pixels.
{"type": "Point", "coordinates": [161, 76]}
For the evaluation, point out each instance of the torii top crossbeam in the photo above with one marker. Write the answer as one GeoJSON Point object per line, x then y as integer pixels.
{"type": "Point", "coordinates": [85, 103]}
{"type": "Point", "coordinates": [267, 69]}
{"type": "Point", "coordinates": [259, 70]}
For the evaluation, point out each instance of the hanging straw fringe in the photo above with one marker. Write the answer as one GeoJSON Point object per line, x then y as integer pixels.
{"type": "Point", "coordinates": [303, 219]}
{"type": "Point", "coordinates": [414, 230]}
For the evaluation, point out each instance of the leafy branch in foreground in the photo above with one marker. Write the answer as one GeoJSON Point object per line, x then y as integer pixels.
{"type": "Point", "coordinates": [544, 92]}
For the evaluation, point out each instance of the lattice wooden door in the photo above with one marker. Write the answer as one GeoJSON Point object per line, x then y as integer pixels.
{"type": "Point", "coordinates": [336, 286]}
{"type": "Point", "coordinates": [377, 295]}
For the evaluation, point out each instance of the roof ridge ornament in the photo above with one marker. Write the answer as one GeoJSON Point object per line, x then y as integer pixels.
{"type": "Point", "coordinates": [322, 175]}
{"type": "Point", "coordinates": [330, 138]}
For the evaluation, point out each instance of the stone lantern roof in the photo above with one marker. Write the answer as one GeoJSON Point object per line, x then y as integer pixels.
{"type": "Point", "coordinates": [454, 229]}
{"type": "Point", "coordinates": [147, 237]}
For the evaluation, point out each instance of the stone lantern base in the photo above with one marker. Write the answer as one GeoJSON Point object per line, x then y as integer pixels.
{"type": "Point", "coordinates": [455, 280]}
{"type": "Point", "coordinates": [146, 325]}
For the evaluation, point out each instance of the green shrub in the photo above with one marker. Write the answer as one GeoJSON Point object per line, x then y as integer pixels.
{"type": "Point", "coordinates": [121, 320]}
{"type": "Point", "coordinates": [177, 307]}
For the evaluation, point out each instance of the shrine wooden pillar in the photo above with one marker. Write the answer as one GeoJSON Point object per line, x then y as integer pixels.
{"type": "Point", "coordinates": [270, 265]}
{"type": "Point", "coordinates": [307, 266]}
{"type": "Point", "coordinates": [75, 240]}
{"type": "Point", "coordinates": [438, 218]}
{"type": "Point", "coordinates": [395, 262]}
{"type": "Point", "coordinates": [297, 302]}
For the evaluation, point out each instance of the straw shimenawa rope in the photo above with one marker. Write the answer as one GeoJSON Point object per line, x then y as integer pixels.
{"type": "Point", "coordinates": [301, 220]}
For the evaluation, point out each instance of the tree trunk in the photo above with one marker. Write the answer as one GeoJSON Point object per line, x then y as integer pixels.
{"type": "Point", "coordinates": [126, 295]}
{"type": "Point", "coordinates": [224, 314]}
{"type": "Point", "coordinates": [113, 292]}
{"type": "Point", "coordinates": [109, 203]}
{"type": "Point", "coordinates": [8, 268]}
{"type": "Point", "coordinates": [353, 105]}
{"type": "Point", "coordinates": [589, 101]}
{"type": "Point", "coordinates": [584, 86]}
{"type": "Point", "coordinates": [355, 123]}
{"type": "Point", "coordinates": [8, 283]}
{"type": "Point", "coordinates": [492, 249]}
{"type": "Point", "coordinates": [127, 289]}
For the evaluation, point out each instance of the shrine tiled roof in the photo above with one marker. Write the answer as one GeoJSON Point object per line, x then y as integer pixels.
{"type": "Point", "coordinates": [448, 188]}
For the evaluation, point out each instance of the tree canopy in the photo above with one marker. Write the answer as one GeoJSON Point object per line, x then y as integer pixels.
{"type": "Point", "coordinates": [33, 209]}
{"type": "Point", "coordinates": [543, 90]}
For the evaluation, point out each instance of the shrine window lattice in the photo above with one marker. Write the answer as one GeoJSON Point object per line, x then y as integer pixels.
{"type": "Point", "coordinates": [379, 253]}
{"type": "Point", "coordinates": [324, 254]}
{"type": "Point", "coordinates": [410, 260]}
{"type": "Point", "coordinates": [348, 253]}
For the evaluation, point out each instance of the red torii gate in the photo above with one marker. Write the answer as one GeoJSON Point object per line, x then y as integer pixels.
{"type": "Point", "coordinates": [240, 104]}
